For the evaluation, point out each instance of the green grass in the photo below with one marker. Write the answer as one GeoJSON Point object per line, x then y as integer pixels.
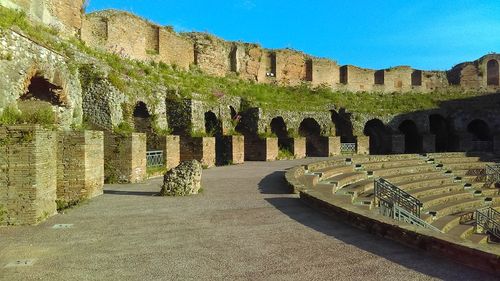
{"type": "Point", "coordinates": [141, 78]}
{"type": "Point", "coordinates": [29, 113]}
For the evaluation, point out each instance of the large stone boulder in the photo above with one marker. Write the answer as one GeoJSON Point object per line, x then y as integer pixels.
{"type": "Point", "coordinates": [183, 180]}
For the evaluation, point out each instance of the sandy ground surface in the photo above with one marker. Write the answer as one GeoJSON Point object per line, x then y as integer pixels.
{"type": "Point", "coordinates": [243, 227]}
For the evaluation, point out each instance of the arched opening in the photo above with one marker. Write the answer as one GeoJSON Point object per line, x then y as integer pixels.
{"type": "Point", "coordinates": [343, 125]}
{"type": "Point", "coordinates": [440, 128]}
{"type": "Point", "coordinates": [379, 137]}
{"type": "Point", "coordinates": [213, 126]}
{"type": "Point", "coordinates": [479, 130]}
{"type": "Point", "coordinates": [311, 130]}
{"type": "Point", "coordinates": [41, 89]}
{"type": "Point", "coordinates": [413, 140]}
{"type": "Point", "coordinates": [278, 127]}
{"type": "Point", "coordinates": [142, 118]}
{"type": "Point", "coordinates": [492, 71]}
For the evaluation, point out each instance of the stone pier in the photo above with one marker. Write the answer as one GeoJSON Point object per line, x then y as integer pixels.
{"type": "Point", "coordinates": [363, 145]}
{"type": "Point", "coordinates": [199, 148]}
{"type": "Point", "coordinates": [429, 143]}
{"type": "Point", "coordinates": [231, 150]}
{"type": "Point", "coordinates": [125, 158]}
{"type": "Point", "coordinates": [257, 149]}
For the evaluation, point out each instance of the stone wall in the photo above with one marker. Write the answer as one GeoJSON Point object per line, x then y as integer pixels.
{"type": "Point", "coordinates": [125, 158]}
{"type": "Point", "coordinates": [64, 15]}
{"type": "Point", "coordinates": [25, 60]}
{"type": "Point", "coordinates": [80, 173]}
{"type": "Point", "coordinates": [28, 174]}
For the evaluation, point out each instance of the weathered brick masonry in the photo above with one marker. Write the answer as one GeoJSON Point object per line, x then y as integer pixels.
{"type": "Point", "coordinates": [125, 158]}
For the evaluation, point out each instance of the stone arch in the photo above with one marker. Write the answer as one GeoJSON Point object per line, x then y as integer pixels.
{"type": "Point", "coordinates": [279, 128]}
{"type": "Point", "coordinates": [379, 136]}
{"type": "Point", "coordinates": [41, 89]}
{"type": "Point", "coordinates": [213, 126]}
{"type": "Point", "coordinates": [142, 118]}
{"type": "Point", "coordinates": [413, 140]}
{"type": "Point", "coordinates": [479, 130]}
{"type": "Point", "coordinates": [343, 125]}
{"type": "Point", "coordinates": [492, 73]}
{"type": "Point", "coordinates": [440, 127]}
{"type": "Point", "coordinates": [311, 130]}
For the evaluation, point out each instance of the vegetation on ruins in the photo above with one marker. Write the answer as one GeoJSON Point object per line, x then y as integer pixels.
{"type": "Point", "coordinates": [136, 78]}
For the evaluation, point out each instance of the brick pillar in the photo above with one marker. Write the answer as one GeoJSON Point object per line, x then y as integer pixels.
{"type": "Point", "coordinates": [333, 146]}
{"type": "Point", "coordinates": [363, 145]}
{"type": "Point", "coordinates": [201, 149]}
{"type": "Point", "coordinates": [398, 144]}
{"type": "Point", "coordinates": [231, 150]}
{"type": "Point", "coordinates": [125, 158]}
{"type": "Point", "coordinates": [298, 146]}
{"type": "Point", "coordinates": [80, 172]}
{"type": "Point", "coordinates": [28, 174]}
{"type": "Point", "coordinates": [429, 143]}
{"type": "Point", "coordinates": [257, 149]}
{"type": "Point", "coordinates": [170, 145]}
{"type": "Point", "coordinates": [496, 144]}
{"type": "Point", "coordinates": [464, 142]}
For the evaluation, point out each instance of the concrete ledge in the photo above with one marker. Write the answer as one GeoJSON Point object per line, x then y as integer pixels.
{"type": "Point", "coordinates": [480, 257]}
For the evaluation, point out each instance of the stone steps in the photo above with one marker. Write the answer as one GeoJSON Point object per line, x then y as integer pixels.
{"type": "Point", "coordinates": [463, 231]}
{"type": "Point", "coordinates": [435, 190]}
{"type": "Point", "coordinates": [441, 199]}
{"type": "Point", "coordinates": [401, 170]}
{"type": "Point", "coordinates": [412, 177]}
{"type": "Point", "coordinates": [453, 207]}
{"type": "Point", "coordinates": [370, 166]}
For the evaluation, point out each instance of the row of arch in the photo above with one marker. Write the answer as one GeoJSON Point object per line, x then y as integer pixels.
{"type": "Point", "coordinates": [380, 134]}
{"type": "Point", "coordinates": [446, 140]}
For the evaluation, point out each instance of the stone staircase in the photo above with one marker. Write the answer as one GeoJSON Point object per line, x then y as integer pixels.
{"type": "Point", "coordinates": [449, 185]}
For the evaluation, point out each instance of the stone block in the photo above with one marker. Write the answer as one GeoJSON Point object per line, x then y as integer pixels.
{"type": "Point", "coordinates": [363, 145]}
{"type": "Point", "coordinates": [125, 158]}
{"type": "Point", "coordinates": [28, 174]}
{"type": "Point", "coordinates": [230, 150]}
{"type": "Point", "coordinates": [297, 146]}
{"type": "Point", "coordinates": [429, 143]}
{"type": "Point", "coordinates": [398, 144]}
{"type": "Point", "coordinates": [257, 149]}
{"type": "Point", "coordinates": [199, 148]}
{"type": "Point", "coordinates": [80, 160]}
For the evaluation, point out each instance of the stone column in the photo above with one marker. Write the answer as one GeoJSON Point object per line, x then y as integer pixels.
{"type": "Point", "coordinates": [201, 149]}
{"type": "Point", "coordinates": [363, 145]}
{"type": "Point", "coordinates": [429, 143]}
{"type": "Point", "coordinates": [233, 149]}
{"type": "Point", "coordinates": [298, 146]}
{"type": "Point", "coordinates": [257, 149]}
{"type": "Point", "coordinates": [398, 144]}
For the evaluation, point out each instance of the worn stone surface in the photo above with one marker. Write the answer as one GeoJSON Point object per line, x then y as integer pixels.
{"type": "Point", "coordinates": [199, 148]}
{"type": "Point", "coordinates": [182, 180]}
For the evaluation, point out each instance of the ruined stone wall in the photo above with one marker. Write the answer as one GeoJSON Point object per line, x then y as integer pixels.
{"type": "Point", "coordinates": [28, 175]}
{"type": "Point", "coordinates": [257, 149]}
{"type": "Point", "coordinates": [64, 15]}
{"type": "Point", "coordinates": [357, 79]}
{"type": "Point", "coordinates": [292, 67]}
{"type": "Point", "coordinates": [80, 172]}
{"type": "Point", "coordinates": [293, 119]}
{"type": "Point", "coordinates": [201, 149]}
{"type": "Point", "coordinates": [22, 59]}
{"type": "Point", "coordinates": [133, 37]}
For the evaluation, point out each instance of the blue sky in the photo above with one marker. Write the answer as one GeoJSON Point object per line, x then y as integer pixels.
{"type": "Point", "coordinates": [430, 35]}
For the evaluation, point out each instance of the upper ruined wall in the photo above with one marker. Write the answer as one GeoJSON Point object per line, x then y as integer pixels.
{"type": "Point", "coordinates": [63, 15]}
{"type": "Point", "coordinates": [133, 37]}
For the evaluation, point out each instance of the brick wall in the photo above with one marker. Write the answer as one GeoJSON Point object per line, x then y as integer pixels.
{"type": "Point", "coordinates": [125, 158]}
{"type": "Point", "coordinates": [80, 172]}
{"type": "Point", "coordinates": [28, 174]}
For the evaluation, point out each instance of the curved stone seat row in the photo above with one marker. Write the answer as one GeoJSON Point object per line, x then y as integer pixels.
{"type": "Point", "coordinates": [450, 186]}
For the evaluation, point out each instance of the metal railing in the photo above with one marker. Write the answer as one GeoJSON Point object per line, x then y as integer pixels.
{"type": "Point", "coordinates": [154, 158]}
{"type": "Point", "coordinates": [492, 174]}
{"type": "Point", "coordinates": [392, 195]}
{"type": "Point", "coordinates": [348, 148]}
{"type": "Point", "coordinates": [403, 215]}
{"type": "Point", "coordinates": [488, 220]}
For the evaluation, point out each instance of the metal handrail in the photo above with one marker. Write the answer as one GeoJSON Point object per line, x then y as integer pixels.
{"type": "Point", "coordinates": [405, 216]}
{"type": "Point", "coordinates": [492, 174]}
{"type": "Point", "coordinates": [154, 158]}
{"type": "Point", "coordinates": [489, 220]}
{"type": "Point", "coordinates": [393, 195]}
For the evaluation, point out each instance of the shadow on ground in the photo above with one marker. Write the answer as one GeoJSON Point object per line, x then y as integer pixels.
{"type": "Point", "coordinates": [415, 259]}
{"type": "Point", "coordinates": [131, 193]}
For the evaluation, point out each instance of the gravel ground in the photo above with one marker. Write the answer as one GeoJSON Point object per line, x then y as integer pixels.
{"type": "Point", "coordinates": [244, 226]}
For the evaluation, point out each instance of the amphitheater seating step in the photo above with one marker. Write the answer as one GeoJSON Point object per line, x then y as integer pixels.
{"type": "Point", "coordinates": [334, 171]}
{"type": "Point", "coordinates": [390, 164]}
{"type": "Point", "coordinates": [448, 222]}
{"type": "Point", "coordinates": [401, 170]}
{"type": "Point", "coordinates": [347, 178]}
{"type": "Point", "coordinates": [357, 188]}
{"type": "Point", "coordinates": [463, 231]}
{"type": "Point", "coordinates": [452, 207]}
{"type": "Point", "coordinates": [440, 199]}
{"type": "Point", "coordinates": [479, 238]}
